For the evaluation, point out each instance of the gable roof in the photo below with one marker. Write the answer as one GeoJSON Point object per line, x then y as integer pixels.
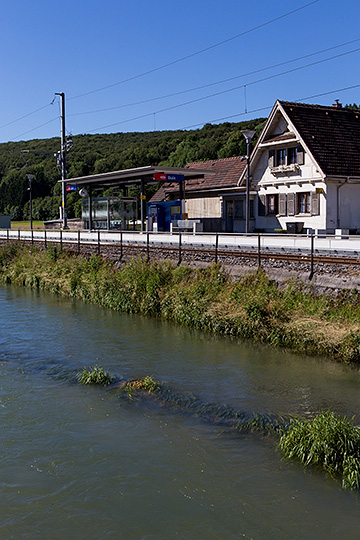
{"type": "Point", "coordinates": [332, 134]}
{"type": "Point", "coordinates": [227, 173]}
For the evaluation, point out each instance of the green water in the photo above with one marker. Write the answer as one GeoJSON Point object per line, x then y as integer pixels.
{"type": "Point", "coordinates": [79, 463]}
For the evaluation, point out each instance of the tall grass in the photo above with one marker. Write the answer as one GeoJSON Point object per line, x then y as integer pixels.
{"type": "Point", "coordinates": [206, 299]}
{"type": "Point", "coordinates": [329, 441]}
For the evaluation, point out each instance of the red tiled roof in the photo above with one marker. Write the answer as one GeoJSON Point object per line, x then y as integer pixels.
{"type": "Point", "coordinates": [332, 135]}
{"type": "Point", "coordinates": [227, 173]}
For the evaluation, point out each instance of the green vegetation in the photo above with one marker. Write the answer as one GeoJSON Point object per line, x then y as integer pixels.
{"type": "Point", "coordinates": [96, 375]}
{"type": "Point", "coordinates": [328, 441]}
{"type": "Point", "coordinates": [25, 225]}
{"type": "Point", "coordinates": [92, 154]}
{"type": "Point", "coordinates": [205, 299]}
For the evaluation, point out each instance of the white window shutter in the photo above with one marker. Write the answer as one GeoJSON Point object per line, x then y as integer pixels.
{"type": "Point", "coordinates": [300, 155]}
{"type": "Point", "coordinates": [315, 203]}
{"type": "Point", "coordinates": [282, 204]}
{"type": "Point", "coordinates": [291, 204]}
{"type": "Point", "coordinates": [271, 160]}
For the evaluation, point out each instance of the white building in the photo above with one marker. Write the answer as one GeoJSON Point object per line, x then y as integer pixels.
{"type": "Point", "coordinates": [306, 169]}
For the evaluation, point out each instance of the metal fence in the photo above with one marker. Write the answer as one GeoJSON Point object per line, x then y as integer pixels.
{"type": "Point", "coordinates": [325, 248]}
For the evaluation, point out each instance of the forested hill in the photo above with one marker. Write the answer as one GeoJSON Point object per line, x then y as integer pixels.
{"type": "Point", "coordinates": [92, 154]}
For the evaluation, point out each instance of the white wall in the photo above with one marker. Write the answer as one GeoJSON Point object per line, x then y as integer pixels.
{"type": "Point", "coordinates": [343, 197]}
{"type": "Point", "coordinates": [206, 207]}
{"type": "Point", "coordinates": [306, 179]}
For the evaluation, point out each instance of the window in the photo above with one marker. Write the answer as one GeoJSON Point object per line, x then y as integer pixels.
{"type": "Point", "coordinates": [292, 155]}
{"type": "Point", "coordinates": [286, 157]}
{"type": "Point", "coordinates": [281, 156]}
{"type": "Point", "coordinates": [239, 208]}
{"type": "Point", "coordinates": [272, 204]}
{"type": "Point", "coordinates": [303, 203]}
{"type": "Point", "coordinates": [251, 204]}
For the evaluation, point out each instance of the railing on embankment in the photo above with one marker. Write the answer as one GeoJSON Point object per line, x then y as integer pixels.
{"type": "Point", "coordinates": [211, 246]}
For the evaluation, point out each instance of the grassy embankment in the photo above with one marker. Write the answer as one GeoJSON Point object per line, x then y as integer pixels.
{"type": "Point", "coordinates": [25, 225]}
{"type": "Point", "coordinates": [206, 299]}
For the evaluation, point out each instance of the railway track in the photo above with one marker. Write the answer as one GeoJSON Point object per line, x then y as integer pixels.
{"type": "Point", "coordinates": [207, 254]}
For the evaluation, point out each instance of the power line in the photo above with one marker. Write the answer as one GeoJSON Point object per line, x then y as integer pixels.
{"type": "Point", "coordinates": [37, 127]}
{"type": "Point", "coordinates": [271, 106]}
{"type": "Point", "coordinates": [210, 47]}
{"type": "Point", "coordinates": [196, 100]}
{"type": "Point", "coordinates": [142, 102]}
{"type": "Point", "coordinates": [25, 116]}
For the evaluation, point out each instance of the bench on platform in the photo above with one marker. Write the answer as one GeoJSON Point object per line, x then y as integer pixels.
{"type": "Point", "coordinates": [186, 225]}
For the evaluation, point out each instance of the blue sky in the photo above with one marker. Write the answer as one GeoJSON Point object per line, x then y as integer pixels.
{"type": "Point", "coordinates": [81, 46]}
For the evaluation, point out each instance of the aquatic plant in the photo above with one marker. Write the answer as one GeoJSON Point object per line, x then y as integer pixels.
{"type": "Point", "coordinates": [329, 441]}
{"type": "Point", "coordinates": [96, 375]}
{"type": "Point", "coordinates": [148, 384]}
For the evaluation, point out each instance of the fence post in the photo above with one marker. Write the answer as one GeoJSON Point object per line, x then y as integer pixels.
{"type": "Point", "coordinates": [216, 247]}
{"type": "Point", "coordinates": [259, 251]}
{"type": "Point", "coordinates": [32, 237]}
{"type": "Point", "coordinates": [7, 236]}
{"type": "Point", "coordinates": [45, 239]}
{"type": "Point", "coordinates": [147, 246]}
{"type": "Point", "coordinates": [78, 246]}
{"type": "Point", "coordinates": [19, 235]}
{"type": "Point", "coordinates": [121, 246]}
{"type": "Point", "coordinates": [98, 242]}
{"type": "Point", "coordinates": [180, 257]}
{"type": "Point", "coordinates": [61, 246]}
{"type": "Point", "coordinates": [312, 258]}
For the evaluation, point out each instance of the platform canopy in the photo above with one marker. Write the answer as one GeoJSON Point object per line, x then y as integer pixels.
{"type": "Point", "coordinates": [137, 175]}
{"type": "Point", "coordinates": [130, 177]}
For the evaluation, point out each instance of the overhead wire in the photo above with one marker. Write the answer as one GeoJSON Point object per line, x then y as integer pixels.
{"type": "Point", "coordinates": [35, 128]}
{"type": "Point", "coordinates": [167, 65]}
{"type": "Point", "coordinates": [142, 102]}
{"type": "Point", "coordinates": [196, 100]}
{"type": "Point", "coordinates": [25, 116]}
{"type": "Point", "coordinates": [191, 55]}
{"type": "Point", "coordinates": [271, 106]}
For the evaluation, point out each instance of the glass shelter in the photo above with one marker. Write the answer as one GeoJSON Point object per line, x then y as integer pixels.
{"type": "Point", "coordinates": [109, 213]}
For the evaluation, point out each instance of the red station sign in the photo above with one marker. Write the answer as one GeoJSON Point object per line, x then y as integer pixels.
{"type": "Point", "coordinates": [160, 177]}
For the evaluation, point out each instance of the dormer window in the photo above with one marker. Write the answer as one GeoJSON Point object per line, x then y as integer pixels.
{"type": "Point", "coordinates": [285, 160]}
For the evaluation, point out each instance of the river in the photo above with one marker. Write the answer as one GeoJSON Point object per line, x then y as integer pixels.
{"type": "Point", "coordinates": [79, 463]}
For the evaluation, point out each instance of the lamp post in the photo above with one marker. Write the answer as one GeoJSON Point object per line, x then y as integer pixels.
{"type": "Point", "coordinates": [30, 177]}
{"type": "Point", "coordinates": [248, 134]}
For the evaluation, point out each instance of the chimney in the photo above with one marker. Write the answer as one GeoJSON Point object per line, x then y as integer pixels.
{"type": "Point", "coordinates": [337, 105]}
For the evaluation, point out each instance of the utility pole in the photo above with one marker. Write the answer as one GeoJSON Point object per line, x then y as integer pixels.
{"type": "Point", "coordinates": [30, 177]}
{"type": "Point", "coordinates": [63, 158]}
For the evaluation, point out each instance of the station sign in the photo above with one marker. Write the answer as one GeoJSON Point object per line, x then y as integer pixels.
{"type": "Point", "coordinates": [162, 177]}
{"type": "Point", "coordinates": [71, 187]}
{"type": "Point", "coordinates": [175, 177]}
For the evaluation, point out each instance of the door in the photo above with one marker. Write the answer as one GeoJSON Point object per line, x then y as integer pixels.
{"type": "Point", "coordinates": [229, 216]}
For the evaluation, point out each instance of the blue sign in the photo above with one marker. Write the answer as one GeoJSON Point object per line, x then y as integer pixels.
{"type": "Point", "coordinates": [175, 177]}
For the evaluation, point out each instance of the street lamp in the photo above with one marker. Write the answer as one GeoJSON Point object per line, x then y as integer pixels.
{"type": "Point", "coordinates": [30, 177]}
{"type": "Point", "coordinates": [248, 134]}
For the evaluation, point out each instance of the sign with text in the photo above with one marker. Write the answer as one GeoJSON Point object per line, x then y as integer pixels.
{"type": "Point", "coordinates": [162, 177]}
{"type": "Point", "coordinates": [175, 177]}
{"type": "Point", "coordinates": [71, 187]}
